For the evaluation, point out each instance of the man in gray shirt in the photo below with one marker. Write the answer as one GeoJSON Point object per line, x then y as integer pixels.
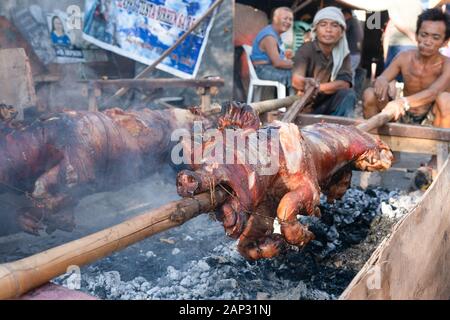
{"type": "Point", "coordinates": [325, 64]}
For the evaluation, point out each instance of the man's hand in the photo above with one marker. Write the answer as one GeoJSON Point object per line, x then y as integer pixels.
{"type": "Point", "coordinates": [381, 88]}
{"type": "Point", "coordinates": [395, 108]}
{"type": "Point", "coordinates": [289, 54]}
{"type": "Point", "coordinates": [311, 82]}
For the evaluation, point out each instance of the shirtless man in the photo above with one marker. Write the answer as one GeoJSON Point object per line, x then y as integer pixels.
{"type": "Point", "coordinates": [426, 74]}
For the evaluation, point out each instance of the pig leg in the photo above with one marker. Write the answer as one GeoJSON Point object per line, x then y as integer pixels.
{"type": "Point", "coordinates": [47, 205]}
{"type": "Point", "coordinates": [258, 241]}
{"type": "Point", "coordinates": [31, 219]}
{"type": "Point", "coordinates": [304, 200]}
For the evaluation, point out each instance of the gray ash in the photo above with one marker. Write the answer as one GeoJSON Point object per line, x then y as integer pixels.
{"type": "Point", "coordinates": [197, 261]}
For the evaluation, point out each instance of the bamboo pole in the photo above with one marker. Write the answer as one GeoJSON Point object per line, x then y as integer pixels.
{"type": "Point", "coordinates": [19, 277]}
{"type": "Point", "coordinates": [298, 106]}
{"type": "Point", "coordinates": [301, 6]}
{"type": "Point", "coordinates": [274, 104]}
{"type": "Point", "coordinates": [376, 121]}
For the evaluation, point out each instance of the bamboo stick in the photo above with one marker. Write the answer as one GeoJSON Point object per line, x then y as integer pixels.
{"type": "Point", "coordinates": [19, 277]}
{"type": "Point", "coordinates": [376, 121]}
{"type": "Point", "coordinates": [298, 106]}
{"type": "Point", "coordinates": [274, 104]}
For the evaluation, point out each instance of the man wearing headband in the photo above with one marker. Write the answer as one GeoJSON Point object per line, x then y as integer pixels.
{"type": "Point", "coordinates": [325, 63]}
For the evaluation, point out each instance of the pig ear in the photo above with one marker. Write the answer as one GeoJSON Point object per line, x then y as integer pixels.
{"type": "Point", "coordinates": [238, 115]}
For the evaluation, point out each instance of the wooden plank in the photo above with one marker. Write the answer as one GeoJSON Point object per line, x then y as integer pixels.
{"type": "Point", "coordinates": [442, 154]}
{"type": "Point", "coordinates": [411, 145]}
{"type": "Point", "coordinates": [46, 78]}
{"type": "Point", "coordinates": [11, 37]}
{"type": "Point", "coordinates": [160, 83]}
{"type": "Point", "coordinates": [391, 129]}
{"type": "Point", "coordinates": [414, 261]}
{"type": "Point", "coordinates": [16, 80]}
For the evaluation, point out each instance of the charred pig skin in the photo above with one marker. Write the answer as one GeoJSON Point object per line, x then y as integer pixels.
{"type": "Point", "coordinates": [58, 159]}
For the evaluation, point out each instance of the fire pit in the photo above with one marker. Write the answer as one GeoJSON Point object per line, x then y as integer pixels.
{"type": "Point", "coordinates": [196, 261]}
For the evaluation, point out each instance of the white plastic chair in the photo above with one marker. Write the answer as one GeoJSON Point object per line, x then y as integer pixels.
{"type": "Point", "coordinates": [255, 82]}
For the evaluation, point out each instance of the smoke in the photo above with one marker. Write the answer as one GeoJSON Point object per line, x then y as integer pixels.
{"type": "Point", "coordinates": [9, 204]}
{"type": "Point", "coordinates": [93, 213]}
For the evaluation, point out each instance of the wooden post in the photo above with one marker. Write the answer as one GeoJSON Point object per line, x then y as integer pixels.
{"type": "Point", "coordinates": [205, 98]}
{"type": "Point", "coordinates": [16, 80]}
{"type": "Point", "coordinates": [94, 92]}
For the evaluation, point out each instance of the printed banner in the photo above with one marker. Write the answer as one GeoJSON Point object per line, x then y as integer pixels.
{"type": "Point", "coordinates": [143, 29]}
{"type": "Point", "coordinates": [64, 39]}
{"type": "Point", "coordinates": [54, 36]}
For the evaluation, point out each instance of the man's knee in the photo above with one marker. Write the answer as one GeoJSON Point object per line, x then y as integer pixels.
{"type": "Point", "coordinates": [369, 97]}
{"type": "Point", "coordinates": [443, 103]}
{"type": "Point", "coordinates": [346, 94]}
{"type": "Point", "coordinates": [347, 98]}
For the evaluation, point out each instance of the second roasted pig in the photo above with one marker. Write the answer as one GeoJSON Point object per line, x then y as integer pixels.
{"type": "Point", "coordinates": [56, 160]}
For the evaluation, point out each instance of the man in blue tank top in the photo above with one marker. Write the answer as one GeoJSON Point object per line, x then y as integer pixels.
{"type": "Point", "coordinates": [268, 54]}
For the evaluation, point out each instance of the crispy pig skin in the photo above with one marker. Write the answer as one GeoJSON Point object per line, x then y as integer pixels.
{"type": "Point", "coordinates": [316, 159]}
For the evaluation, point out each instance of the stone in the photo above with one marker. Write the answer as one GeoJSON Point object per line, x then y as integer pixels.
{"type": "Point", "coordinates": [203, 265]}
{"type": "Point", "coordinates": [173, 274]}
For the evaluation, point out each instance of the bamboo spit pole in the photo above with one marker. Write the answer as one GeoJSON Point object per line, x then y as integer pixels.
{"type": "Point", "coordinates": [271, 105]}
{"type": "Point", "coordinates": [274, 104]}
{"type": "Point", "coordinates": [376, 121]}
{"type": "Point", "coordinates": [19, 277]}
{"type": "Point", "coordinates": [368, 125]}
{"type": "Point", "coordinates": [298, 106]}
